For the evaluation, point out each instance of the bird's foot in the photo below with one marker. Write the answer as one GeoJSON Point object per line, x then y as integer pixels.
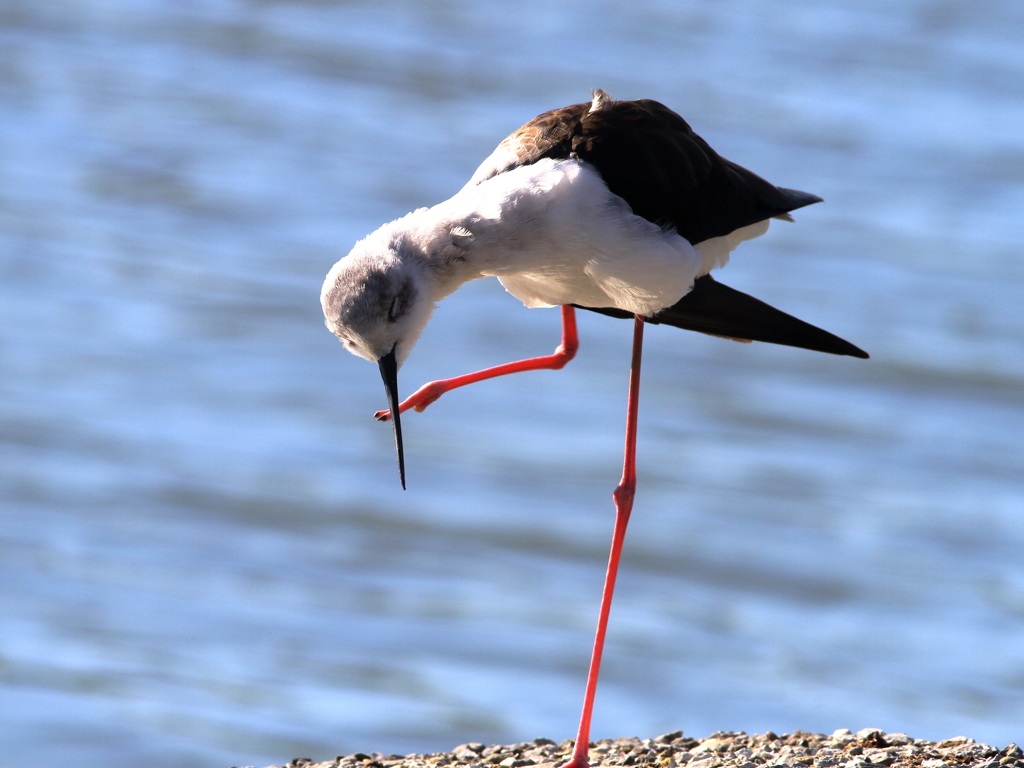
{"type": "Point", "coordinates": [418, 400]}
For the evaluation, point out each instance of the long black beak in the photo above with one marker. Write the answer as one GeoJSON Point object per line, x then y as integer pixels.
{"type": "Point", "coordinates": [389, 372]}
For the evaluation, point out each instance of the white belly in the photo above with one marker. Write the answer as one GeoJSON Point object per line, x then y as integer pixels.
{"type": "Point", "coordinates": [553, 233]}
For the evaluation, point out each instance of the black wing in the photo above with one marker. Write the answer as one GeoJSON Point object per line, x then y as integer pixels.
{"type": "Point", "coordinates": [719, 310]}
{"type": "Point", "coordinates": [649, 156]}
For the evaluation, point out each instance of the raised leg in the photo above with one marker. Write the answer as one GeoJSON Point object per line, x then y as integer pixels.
{"type": "Point", "coordinates": [623, 497]}
{"type": "Point", "coordinates": [428, 393]}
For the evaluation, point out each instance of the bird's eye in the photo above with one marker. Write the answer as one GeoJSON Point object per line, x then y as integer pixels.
{"type": "Point", "coordinates": [397, 309]}
{"type": "Point", "coordinates": [403, 301]}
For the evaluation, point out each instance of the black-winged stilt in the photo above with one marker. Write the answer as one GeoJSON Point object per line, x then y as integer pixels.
{"type": "Point", "coordinates": [616, 207]}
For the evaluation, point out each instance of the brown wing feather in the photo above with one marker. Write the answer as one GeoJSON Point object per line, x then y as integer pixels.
{"type": "Point", "coordinates": [547, 135]}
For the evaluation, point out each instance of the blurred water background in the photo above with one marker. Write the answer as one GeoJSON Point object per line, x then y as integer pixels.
{"type": "Point", "coordinates": [205, 555]}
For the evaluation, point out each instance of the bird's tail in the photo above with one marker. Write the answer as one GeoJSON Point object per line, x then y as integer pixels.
{"type": "Point", "coordinates": [719, 310]}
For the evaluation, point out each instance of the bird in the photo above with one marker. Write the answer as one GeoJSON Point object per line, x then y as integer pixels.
{"type": "Point", "coordinates": [612, 206]}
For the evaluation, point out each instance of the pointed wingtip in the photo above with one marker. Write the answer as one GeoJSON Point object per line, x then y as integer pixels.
{"type": "Point", "coordinates": [799, 199]}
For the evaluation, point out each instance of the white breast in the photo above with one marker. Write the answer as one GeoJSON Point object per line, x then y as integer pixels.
{"type": "Point", "coordinates": [553, 233]}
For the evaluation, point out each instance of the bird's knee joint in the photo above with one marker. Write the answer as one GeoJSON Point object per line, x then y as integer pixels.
{"type": "Point", "coordinates": [624, 493]}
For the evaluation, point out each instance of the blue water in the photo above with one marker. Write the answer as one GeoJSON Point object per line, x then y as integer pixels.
{"type": "Point", "coordinates": [205, 556]}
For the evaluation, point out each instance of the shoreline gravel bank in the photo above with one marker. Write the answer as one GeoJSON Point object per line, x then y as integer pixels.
{"type": "Point", "coordinates": [867, 748]}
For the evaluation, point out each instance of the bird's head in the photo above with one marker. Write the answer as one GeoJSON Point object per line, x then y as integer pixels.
{"type": "Point", "coordinates": [377, 301]}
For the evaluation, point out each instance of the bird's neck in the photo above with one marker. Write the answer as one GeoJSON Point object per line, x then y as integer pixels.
{"type": "Point", "coordinates": [499, 227]}
{"type": "Point", "coordinates": [451, 241]}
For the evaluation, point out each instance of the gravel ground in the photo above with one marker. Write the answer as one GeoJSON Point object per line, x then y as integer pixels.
{"type": "Point", "coordinates": [843, 749]}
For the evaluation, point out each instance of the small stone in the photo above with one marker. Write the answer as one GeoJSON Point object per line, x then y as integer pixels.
{"type": "Point", "coordinates": [953, 742]}
{"type": "Point", "coordinates": [868, 748]}
{"type": "Point", "coordinates": [710, 744]}
{"type": "Point", "coordinates": [872, 737]}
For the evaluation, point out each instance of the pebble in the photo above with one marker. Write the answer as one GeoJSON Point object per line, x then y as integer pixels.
{"type": "Point", "coordinates": [867, 748]}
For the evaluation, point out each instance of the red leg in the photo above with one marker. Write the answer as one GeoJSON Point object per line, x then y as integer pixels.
{"type": "Point", "coordinates": [623, 497]}
{"type": "Point", "coordinates": [565, 352]}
